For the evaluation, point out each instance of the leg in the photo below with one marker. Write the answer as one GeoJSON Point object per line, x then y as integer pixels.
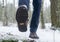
{"type": "Point", "coordinates": [22, 15]}
{"type": "Point", "coordinates": [35, 16]}
{"type": "Point", "coordinates": [24, 2]}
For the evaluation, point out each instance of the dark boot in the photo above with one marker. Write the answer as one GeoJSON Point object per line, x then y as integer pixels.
{"type": "Point", "coordinates": [33, 35]}
{"type": "Point", "coordinates": [22, 18]}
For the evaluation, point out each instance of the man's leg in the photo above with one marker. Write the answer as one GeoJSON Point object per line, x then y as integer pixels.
{"type": "Point", "coordinates": [35, 18]}
{"type": "Point", "coordinates": [24, 2]}
{"type": "Point", "coordinates": [22, 15]}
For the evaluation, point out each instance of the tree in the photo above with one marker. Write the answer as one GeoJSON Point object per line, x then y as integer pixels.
{"type": "Point", "coordinates": [58, 12]}
{"type": "Point", "coordinates": [53, 12]}
{"type": "Point", "coordinates": [3, 13]}
{"type": "Point", "coordinates": [42, 18]}
{"type": "Point", "coordinates": [4, 16]}
{"type": "Point", "coordinates": [14, 11]}
{"type": "Point", "coordinates": [0, 11]}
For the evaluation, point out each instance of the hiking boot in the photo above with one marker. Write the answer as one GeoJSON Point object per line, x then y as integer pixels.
{"type": "Point", "coordinates": [22, 18]}
{"type": "Point", "coordinates": [33, 35]}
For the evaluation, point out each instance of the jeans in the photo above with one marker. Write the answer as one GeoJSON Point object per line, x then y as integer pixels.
{"type": "Point", "coordinates": [36, 13]}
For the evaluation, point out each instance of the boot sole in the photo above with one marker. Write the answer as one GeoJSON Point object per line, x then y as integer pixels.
{"type": "Point", "coordinates": [22, 17]}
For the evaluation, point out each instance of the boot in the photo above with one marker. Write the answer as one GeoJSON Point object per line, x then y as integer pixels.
{"type": "Point", "coordinates": [33, 35]}
{"type": "Point", "coordinates": [22, 18]}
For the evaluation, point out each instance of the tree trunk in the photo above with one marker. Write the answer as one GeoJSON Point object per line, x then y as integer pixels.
{"type": "Point", "coordinates": [4, 17]}
{"type": "Point", "coordinates": [3, 13]}
{"type": "Point", "coordinates": [14, 11]}
{"type": "Point", "coordinates": [58, 13]}
{"type": "Point", "coordinates": [53, 12]}
{"type": "Point", "coordinates": [42, 19]}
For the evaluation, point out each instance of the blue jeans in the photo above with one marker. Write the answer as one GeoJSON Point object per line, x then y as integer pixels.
{"type": "Point", "coordinates": [36, 13]}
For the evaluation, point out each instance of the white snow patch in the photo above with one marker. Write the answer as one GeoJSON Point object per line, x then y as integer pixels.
{"type": "Point", "coordinates": [45, 35]}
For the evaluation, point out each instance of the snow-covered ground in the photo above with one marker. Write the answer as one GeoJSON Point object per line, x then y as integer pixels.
{"type": "Point", "coordinates": [45, 35]}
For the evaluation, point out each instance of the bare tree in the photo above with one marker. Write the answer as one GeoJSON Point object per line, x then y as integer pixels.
{"type": "Point", "coordinates": [4, 16]}
{"type": "Point", "coordinates": [42, 18]}
{"type": "Point", "coordinates": [53, 12]}
{"type": "Point", "coordinates": [3, 13]}
{"type": "Point", "coordinates": [14, 11]}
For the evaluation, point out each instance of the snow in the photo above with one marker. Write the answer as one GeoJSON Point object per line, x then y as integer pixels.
{"type": "Point", "coordinates": [45, 35]}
